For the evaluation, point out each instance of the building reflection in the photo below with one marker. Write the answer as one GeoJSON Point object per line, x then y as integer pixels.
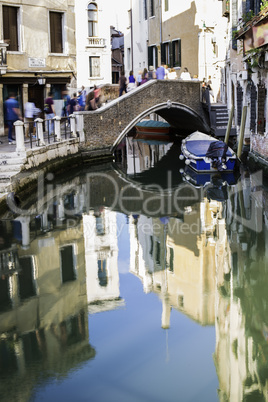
{"type": "Point", "coordinates": [140, 155]}
{"type": "Point", "coordinates": [54, 269]}
{"type": "Point", "coordinates": [208, 262]}
{"type": "Point", "coordinates": [101, 255]}
{"type": "Point", "coordinates": [241, 355]}
{"type": "Point", "coordinates": [175, 257]}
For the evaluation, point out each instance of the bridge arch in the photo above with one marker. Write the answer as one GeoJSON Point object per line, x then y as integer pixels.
{"type": "Point", "coordinates": [177, 101]}
{"type": "Point", "coordinates": [167, 110]}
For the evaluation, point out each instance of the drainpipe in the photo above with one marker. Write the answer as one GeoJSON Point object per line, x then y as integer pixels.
{"type": "Point", "coordinates": [131, 25]}
{"type": "Point", "coordinates": [160, 23]}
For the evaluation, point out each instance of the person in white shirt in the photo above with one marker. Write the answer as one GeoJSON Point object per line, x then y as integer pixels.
{"type": "Point", "coordinates": [29, 112]}
{"type": "Point", "coordinates": [185, 75]}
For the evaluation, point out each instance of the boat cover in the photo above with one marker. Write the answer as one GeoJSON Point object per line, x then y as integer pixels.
{"type": "Point", "coordinates": [152, 123]}
{"type": "Point", "coordinates": [200, 147]}
{"type": "Point", "coordinates": [217, 149]}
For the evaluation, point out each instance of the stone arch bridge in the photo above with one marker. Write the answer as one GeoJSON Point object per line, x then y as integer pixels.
{"type": "Point", "coordinates": [178, 102]}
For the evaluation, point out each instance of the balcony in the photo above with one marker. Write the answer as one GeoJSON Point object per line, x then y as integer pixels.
{"type": "Point", "coordinates": [3, 58]}
{"type": "Point", "coordinates": [96, 42]}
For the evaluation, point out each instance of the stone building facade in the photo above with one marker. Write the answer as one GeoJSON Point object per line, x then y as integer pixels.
{"type": "Point", "coordinates": [38, 45]}
{"type": "Point", "coordinates": [245, 74]}
{"type": "Point", "coordinates": [179, 34]}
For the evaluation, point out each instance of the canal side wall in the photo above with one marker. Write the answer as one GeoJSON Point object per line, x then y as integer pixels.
{"type": "Point", "coordinates": [53, 152]}
{"type": "Point", "coordinates": [258, 155]}
{"type": "Point", "coordinates": [102, 127]}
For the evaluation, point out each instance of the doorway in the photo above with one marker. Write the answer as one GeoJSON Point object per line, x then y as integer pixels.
{"type": "Point", "coordinates": [36, 95]}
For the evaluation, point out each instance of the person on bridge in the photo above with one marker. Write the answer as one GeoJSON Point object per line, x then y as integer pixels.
{"type": "Point", "coordinates": [185, 75]}
{"type": "Point", "coordinates": [161, 72]}
{"type": "Point", "coordinates": [122, 84]}
{"type": "Point", "coordinates": [151, 73]}
{"type": "Point", "coordinates": [144, 76]}
{"type": "Point", "coordinates": [131, 81]}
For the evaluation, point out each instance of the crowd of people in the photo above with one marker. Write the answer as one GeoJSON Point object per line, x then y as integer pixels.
{"type": "Point", "coordinates": [83, 100]}
{"type": "Point", "coordinates": [161, 73]}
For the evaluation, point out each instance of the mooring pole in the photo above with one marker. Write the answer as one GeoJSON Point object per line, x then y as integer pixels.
{"type": "Point", "coordinates": [242, 131]}
{"type": "Point", "coordinates": [228, 130]}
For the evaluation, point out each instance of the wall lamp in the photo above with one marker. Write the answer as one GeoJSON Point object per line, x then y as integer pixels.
{"type": "Point", "coordinates": [41, 80]}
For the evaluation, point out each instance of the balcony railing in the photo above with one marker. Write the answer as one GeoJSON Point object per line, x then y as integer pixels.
{"type": "Point", "coordinates": [96, 42]}
{"type": "Point", "coordinates": [3, 58]}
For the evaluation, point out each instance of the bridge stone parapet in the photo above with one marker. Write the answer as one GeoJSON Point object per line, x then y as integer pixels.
{"type": "Point", "coordinates": [179, 102]}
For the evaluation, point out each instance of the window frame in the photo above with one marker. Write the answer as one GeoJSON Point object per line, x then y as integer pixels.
{"type": "Point", "coordinates": [145, 10]}
{"type": "Point", "coordinates": [94, 23]}
{"type": "Point", "coordinates": [152, 8]}
{"type": "Point", "coordinates": [174, 59]}
{"type": "Point", "coordinates": [62, 14]}
{"type": "Point", "coordinates": [90, 67]}
{"type": "Point", "coordinates": [166, 5]}
{"type": "Point", "coordinates": [74, 263]}
{"type": "Point", "coordinates": [18, 27]}
{"type": "Point", "coordinates": [152, 56]}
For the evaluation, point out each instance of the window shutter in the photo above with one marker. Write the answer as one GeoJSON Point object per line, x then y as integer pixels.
{"type": "Point", "coordinates": [179, 53]}
{"type": "Point", "coordinates": [150, 56]}
{"type": "Point", "coordinates": [10, 29]}
{"type": "Point", "coordinates": [170, 62]}
{"type": "Point", "coordinates": [56, 32]}
{"type": "Point", "coordinates": [163, 53]}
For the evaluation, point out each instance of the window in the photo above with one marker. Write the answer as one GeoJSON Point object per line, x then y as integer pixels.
{"type": "Point", "coordinates": [10, 27]}
{"type": "Point", "coordinates": [27, 279]}
{"type": "Point", "coordinates": [102, 273]}
{"type": "Point", "coordinates": [55, 21]}
{"type": "Point", "coordinates": [253, 5]}
{"type": "Point", "coordinates": [100, 225]}
{"type": "Point", "coordinates": [152, 56]}
{"type": "Point", "coordinates": [176, 53]}
{"type": "Point", "coordinates": [166, 5]}
{"type": "Point", "coordinates": [92, 11]}
{"type": "Point", "coordinates": [94, 66]}
{"type": "Point", "coordinates": [152, 8]}
{"type": "Point", "coordinates": [67, 264]}
{"type": "Point", "coordinates": [171, 259]}
{"type": "Point", "coordinates": [145, 9]}
{"type": "Point", "coordinates": [165, 53]}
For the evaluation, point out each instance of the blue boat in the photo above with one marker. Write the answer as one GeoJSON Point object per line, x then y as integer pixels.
{"type": "Point", "coordinates": [204, 153]}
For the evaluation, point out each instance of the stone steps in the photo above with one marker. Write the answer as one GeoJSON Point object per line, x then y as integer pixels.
{"type": "Point", "coordinates": [10, 165]}
{"type": "Point", "coordinates": [220, 120]}
{"type": "Point", "coordinates": [10, 168]}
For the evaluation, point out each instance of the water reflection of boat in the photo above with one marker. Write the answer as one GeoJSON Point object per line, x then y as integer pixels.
{"type": "Point", "coordinates": [214, 184]}
{"type": "Point", "coordinates": [204, 153]}
{"type": "Point", "coordinates": [203, 179]}
{"type": "Point", "coordinates": [153, 130]}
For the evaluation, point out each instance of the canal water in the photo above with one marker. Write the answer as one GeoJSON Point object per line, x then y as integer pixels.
{"type": "Point", "coordinates": [135, 281]}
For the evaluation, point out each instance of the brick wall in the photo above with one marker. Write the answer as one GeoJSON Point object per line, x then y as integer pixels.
{"type": "Point", "coordinates": [103, 126]}
{"type": "Point", "coordinates": [259, 145]}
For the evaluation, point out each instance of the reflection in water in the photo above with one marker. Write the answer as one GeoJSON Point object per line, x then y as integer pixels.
{"type": "Point", "coordinates": [207, 263]}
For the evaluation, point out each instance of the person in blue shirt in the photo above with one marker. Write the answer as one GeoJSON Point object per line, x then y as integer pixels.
{"type": "Point", "coordinates": [80, 100]}
{"type": "Point", "coordinates": [73, 103]}
{"type": "Point", "coordinates": [12, 114]}
{"type": "Point", "coordinates": [161, 72]}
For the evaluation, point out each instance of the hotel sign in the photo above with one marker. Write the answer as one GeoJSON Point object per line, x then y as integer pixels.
{"type": "Point", "coordinates": [36, 62]}
{"type": "Point", "coordinates": [256, 36]}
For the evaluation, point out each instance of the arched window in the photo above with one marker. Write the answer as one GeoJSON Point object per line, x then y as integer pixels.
{"type": "Point", "coordinates": [92, 10]}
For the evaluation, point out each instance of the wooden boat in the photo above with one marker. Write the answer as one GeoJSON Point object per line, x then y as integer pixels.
{"type": "Point", "coordinates": [153, 130]}
{"type": "Point", "coordinates": [204, 153]}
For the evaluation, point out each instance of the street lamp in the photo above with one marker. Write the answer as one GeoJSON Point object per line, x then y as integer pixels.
{"type": "Point", "coordinates": [41, 80]}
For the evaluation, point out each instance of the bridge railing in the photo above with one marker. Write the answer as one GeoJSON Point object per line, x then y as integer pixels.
{"type": "Point", "coordinates": [43, 132]}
